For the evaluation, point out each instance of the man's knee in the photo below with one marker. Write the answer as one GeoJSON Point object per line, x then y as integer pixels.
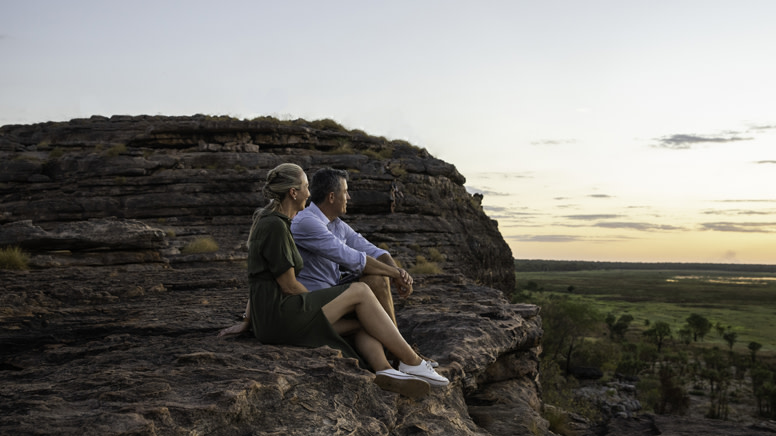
{"type": "Point", "coordinates": [379, 284]}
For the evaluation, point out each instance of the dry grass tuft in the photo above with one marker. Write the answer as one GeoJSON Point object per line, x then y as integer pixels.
{"type": "Point", "coordinates": [13, 258]}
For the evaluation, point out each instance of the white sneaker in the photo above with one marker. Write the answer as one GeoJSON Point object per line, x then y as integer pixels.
{"type": "Point", "coordinates": [424, 371]}
{"type": "Point", "coordinates": [401, 383]}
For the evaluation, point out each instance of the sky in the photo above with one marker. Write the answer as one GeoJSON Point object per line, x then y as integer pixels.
{"type": "Point", "coordinates": [612, 130]}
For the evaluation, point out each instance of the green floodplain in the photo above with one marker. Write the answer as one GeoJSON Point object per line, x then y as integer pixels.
{"type": "Point", "coordinates": [737, 298]}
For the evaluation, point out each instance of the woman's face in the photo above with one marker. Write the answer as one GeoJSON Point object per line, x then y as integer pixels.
{"type": "Point", "coordinates": [302, 194]}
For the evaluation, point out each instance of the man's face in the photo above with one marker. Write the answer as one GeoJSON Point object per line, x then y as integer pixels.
{"type": "Point", "coordinates": [341, 198]}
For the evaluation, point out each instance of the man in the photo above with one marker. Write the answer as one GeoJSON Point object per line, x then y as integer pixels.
{"type": "Point", "coordinates": [334, 253]}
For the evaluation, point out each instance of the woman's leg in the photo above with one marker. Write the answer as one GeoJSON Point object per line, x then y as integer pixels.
{"type": "Point", "coordinates": [371, 350]}
{"type": "Point", "coordinates": [346, 327]}
{"type": "Point", "coordinates": [375, 321]}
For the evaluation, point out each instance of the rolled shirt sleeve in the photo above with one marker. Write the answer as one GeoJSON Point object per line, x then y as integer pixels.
{"type": "Point", "coordinates": [358, 242]}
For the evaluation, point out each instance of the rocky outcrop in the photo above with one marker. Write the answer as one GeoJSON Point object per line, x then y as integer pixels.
{"type": "Point", "coordinates": [195, 175]}
{"type": "Point", "coordinates": [112, 330]}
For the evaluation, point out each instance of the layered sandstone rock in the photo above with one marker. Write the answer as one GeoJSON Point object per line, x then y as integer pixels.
{"type": "Point", "coordinates": [112, 330]}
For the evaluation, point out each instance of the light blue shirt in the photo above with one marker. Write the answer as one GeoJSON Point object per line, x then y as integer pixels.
{"type": "Point", "coordinates": [326, 246]}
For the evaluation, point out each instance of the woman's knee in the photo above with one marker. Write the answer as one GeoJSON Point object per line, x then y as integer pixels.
{"type": "Point", "coordinates": [360, 289]}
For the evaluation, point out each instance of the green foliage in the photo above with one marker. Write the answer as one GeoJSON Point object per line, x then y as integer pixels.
{"type": "Point", "coordinates": [557, 391]}
{"type": "Point", "coordinates": [204, 244]}
{"type": "Point", "coordinates": [13, 258]}
{"type": "Point", "coordinates": [658, 334]}
{"type": "Point", "coordinates": [566, 323]}
{"type": "Point", "coordinates": [730, 338]}
{"type": "Point", "coordinates": [531, 286]}
{"type": "Point", "coordinates": [665, 304]}
{"type": "Point", "coordinates": [558, 422]}
{"type": "Point", "coordinates": [672, 398]}
{"type": "Point", "coordinates": [672, 296]}
{"type": "Point", "coordinates": [598, 354]}
{"type": "Point", "coordinates": [754, 347]}
{"type": "Point", "coordinates": [685, 335]}
{"type": "Point", "coordinates": [764, 390]}
{"type": "Point", "coordinates": [699, 325]}
{"type": "Point", "coordinates": [618, 326]}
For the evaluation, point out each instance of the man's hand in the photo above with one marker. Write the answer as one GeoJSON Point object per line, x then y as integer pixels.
{"type": "Point", "coordinates": [403, 283]}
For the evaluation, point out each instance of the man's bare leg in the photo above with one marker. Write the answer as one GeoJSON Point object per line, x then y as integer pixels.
{"type": "Point", "coordinates": [381, 287]}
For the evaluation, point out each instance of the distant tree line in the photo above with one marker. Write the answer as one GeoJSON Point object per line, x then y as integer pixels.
{"type": "Point", "coordinates": [536, 265]}
{"type": "Point", "coordinates": [577, 337]}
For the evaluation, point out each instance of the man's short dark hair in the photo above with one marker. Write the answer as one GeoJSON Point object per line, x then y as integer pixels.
{"type": "Point", "coordinates": [326, 180]}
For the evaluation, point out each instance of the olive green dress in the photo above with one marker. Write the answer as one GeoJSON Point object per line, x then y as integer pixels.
{"type": "Point", "coordinates": [279, 318]}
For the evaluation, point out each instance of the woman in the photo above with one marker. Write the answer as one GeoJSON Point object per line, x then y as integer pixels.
{"type": "Point", "coordinates": [282, 311]}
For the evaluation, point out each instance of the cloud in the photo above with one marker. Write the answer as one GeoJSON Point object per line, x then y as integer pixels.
{"type": "Point", "coordinates": [486, 191]}
{"type": "Point", "coordinates": [591, 217]}
{"type": "Point", "coordinates": [730, 256]}
{"type": "Point", "coordinates": [566, 238]}
{"type": "Point", "coordinates": [761, 200]}
{"type": "Point", "coordinates": [546, 238]}
{"type": "Point", "coordinates": [763, 227]}
{"type": "Point", "coordinates": [600, 196]}
{"type": "Point", "coordinates": [494, 193]}
{"type": "Point", "coordinates": [645, 227]}
{"type": "Point", "coordinates": [501, 176]}
{"type": "Point", "coordinates": [685, 142]}
{"type": "Point", "coordinates": [738, 212]}
{"type": "Point", "coordinates": [763, 127]}
{"type": "Point", "coordinates": [766, 162]}
{"type": "Point", "coordinates": [500, 212]}
{"type": "Point", "coordinates": [554, 142]}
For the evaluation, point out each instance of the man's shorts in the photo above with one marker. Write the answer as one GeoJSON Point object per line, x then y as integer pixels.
{"type": "Point", "coordinates": [348, 277]}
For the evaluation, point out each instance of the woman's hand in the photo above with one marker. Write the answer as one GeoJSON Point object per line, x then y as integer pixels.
{"type": "Point", "coordinates": [235, 329]}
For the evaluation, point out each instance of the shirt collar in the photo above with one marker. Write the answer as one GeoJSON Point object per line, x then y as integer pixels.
{"type": "Point", "coordinates": [316, 212]}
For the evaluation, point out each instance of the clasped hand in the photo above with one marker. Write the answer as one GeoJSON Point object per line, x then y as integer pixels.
{"type": "Point", "coordinates": [403, 283]}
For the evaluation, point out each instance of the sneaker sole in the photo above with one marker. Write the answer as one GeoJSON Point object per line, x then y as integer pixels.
{"type": "Point", "coordinates": [432, 381]}
{"type": "Point", "coordinates": [411, 387]}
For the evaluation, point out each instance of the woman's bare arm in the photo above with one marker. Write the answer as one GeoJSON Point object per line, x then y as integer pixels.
{"type": "Point", "coordinates": [289, 284]}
